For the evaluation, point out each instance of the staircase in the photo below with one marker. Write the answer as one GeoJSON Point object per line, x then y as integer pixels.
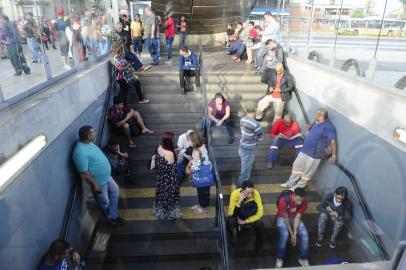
{"type": "Point", "coordinates": [238, 84]}
{"type": "Point", "coordinates": [145, 242]}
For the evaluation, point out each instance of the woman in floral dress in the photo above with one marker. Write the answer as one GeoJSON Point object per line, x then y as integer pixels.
{"type": "Point", "coordinates": [167, 195]}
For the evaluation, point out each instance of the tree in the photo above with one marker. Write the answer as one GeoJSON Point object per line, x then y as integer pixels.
{"type": "Point", "coordinates": [359, 13]}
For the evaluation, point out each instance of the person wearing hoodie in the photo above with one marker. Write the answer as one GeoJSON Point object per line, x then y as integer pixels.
{"type": "Point", "coordinates": [188, 67]}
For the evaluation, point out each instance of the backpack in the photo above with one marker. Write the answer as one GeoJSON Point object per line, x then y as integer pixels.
{"type": "Point", "coordinates": [285, 194]}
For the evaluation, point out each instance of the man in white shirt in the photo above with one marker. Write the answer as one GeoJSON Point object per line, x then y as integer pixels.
{"type": "Point", "coordinates": [184, 152]}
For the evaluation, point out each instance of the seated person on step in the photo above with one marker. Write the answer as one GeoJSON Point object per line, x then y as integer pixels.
{"type": "Point", "coordinates": [335, 208]}
{"type": "Point", "coordinates": [126, 119]}
{"type": "Point", "coordinates": [246, 211]}
{"type": "Point", "coordinates": [60, 256]}
{"type": "Point", "coordinates": [119, 161]}
{"type": "Point", "coordinates": [219, 115]}
{"type": "Point", "coordinates": [124, 74]}
{"type": "Point", "coordinates": [236, 49]}
{"type": "Point", "coordinates": [271, 57]}
{"type": "Point", "coordinates": [184, 152]}
{"type": "Point", "coordinates": [284, 132]}
{"type": "Point", "coordinates": [291, 207]}
{"type": "Point", "coordinates": [188, 67]}
{"type": "Point", "coordinates": [280, 86]}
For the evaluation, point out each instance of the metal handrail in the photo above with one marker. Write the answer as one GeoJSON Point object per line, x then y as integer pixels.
{"type": "Point", "coordinates": [354, 183]}
{"type": "Point", "coordinates": [220, 213]}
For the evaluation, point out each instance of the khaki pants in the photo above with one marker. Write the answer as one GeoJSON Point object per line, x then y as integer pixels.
{"type": "Point", "coordinates": [303, 170]}
{"type": "Point", "coordinates": [265, 102]}
{"type": "Point", "coordinates": [251, 50]}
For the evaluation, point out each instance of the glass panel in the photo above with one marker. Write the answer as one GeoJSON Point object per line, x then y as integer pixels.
{"type": "Point", "coordinates": [21, 50]}
{"type": "Point", "coordinates": [390, 54]}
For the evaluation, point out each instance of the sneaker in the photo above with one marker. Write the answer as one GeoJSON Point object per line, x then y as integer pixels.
{"type": "Point", "coordinates": [169, 61]}
{"type": "Point", "coordinates": [34, 61]}
{"type": "Point", "coordinates": [319, 243]}
{"type": "Point", "coordinates": [67, 67]}
{"type": "Point", "coordinates": [231, 140]}
{"type": "Point", "coordinates": [332, 244]}
{"type": "Point", "coordinates": [115, 222]}
{"type": "Point", "coordinates": [279, 263]}
{"type": "Point", "coordinates": [183, 91]}
{"type": "Point", "coordinates": [143, 101]}
{"type": "Point", "coordinates": [146, 68]}
{"type": "Point", "coordinates": [285, 185]}
{"type": "Point", "coordinates": [304, 262]}
{"type": "Point", "coordinates": [18, 73]}
{"type": "Point", "coordinates": [269, 164]}
{"type": "Point", "coordinates": [119, 220]}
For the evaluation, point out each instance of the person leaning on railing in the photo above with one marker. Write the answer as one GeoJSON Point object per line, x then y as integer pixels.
{"type": "Point", "coordinates": [246, 211]}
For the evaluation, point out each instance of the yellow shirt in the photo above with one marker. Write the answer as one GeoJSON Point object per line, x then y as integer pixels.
{"type": "Point", "coordinates": [136, 29]}
{"type": "Point", "coordinates": [256, 197]}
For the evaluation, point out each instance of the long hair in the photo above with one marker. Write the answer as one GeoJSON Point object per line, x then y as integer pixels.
{"type": "Point", "coordinates": [55, 253]}
{"type": "Point", "coordinates": [167, 143]}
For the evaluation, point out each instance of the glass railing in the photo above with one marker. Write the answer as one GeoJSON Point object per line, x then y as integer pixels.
{"type": "Point", "coordinates": [220, 216]}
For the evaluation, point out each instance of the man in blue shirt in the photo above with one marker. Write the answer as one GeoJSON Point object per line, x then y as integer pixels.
{"type": "Point", "coordinates": [95, 168]}
{"type": "Point", "coordinates": [188, 67]}
{"type": "Point", "coordinates": [319, 143]}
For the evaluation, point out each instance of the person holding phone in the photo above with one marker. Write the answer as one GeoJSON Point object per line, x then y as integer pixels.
{"type": "Point", "coordinates": [61, 256]}
{"type": "Point", "coordinates": [336, 209]}
{"type": "Point", "coordinates": [246, 211]}
{"type": "Point", "coordinates": [188, 67]}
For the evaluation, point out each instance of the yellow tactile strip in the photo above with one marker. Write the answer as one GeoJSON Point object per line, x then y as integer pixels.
{"type": "Point", "coordinates": [146, 213]}
{"type": "Point", "coordinates": [191, 191]}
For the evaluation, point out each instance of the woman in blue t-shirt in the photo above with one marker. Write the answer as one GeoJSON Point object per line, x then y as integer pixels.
{"type": "Point", "coordinates": [60, 256]}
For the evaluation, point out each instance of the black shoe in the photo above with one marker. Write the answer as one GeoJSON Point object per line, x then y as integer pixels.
{"type": "Point", "coordinates": [27, 71]}
{"type": "Point", "coordinates": [259, 250]}
{"type": "Point", "coordinates": [231, 140]}
{"type": "Point", "coordinates": [115, 222]}
{"type": "Point", "coordinates": [319, 243]}
{"type": "Point", "coordinates": [120, 220]}
{"type": "Point", "coordinates": [35, 62]}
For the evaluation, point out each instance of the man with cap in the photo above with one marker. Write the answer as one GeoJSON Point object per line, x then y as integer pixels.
{"type": "Point", "coordinates": [251, 134]}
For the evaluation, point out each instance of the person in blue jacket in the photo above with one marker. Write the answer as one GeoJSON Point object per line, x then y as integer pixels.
{"type": "Point", "coordinates": [188, 67]}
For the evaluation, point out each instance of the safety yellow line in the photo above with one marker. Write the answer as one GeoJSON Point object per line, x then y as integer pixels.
{"type": "Point", "coordinates": [191, 191]}
{"type": "Point", "coordinates": [146, 213]}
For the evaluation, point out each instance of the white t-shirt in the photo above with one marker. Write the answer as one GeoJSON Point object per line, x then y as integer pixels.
{"type": "Point", "coordinates": [182, 141]}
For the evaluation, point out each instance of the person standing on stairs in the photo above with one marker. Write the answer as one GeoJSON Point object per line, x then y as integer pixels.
{"type": "Point", "coordinates": [246, 211]}
{"type": "Point", "coordinates": [182, 31]}
{"type": "Point", "coordinates": [167, 193]}
{"type": "Point", "coordinates": [251, 134]}
{"type": "Point", "coordinates": [320, 143]}
{"type": "Point", "coordinates": [151, 29]}
{"type": "Point", "coordinates": [291, 207]}
{"type": "Point", "coordinates": [188, 67]}
{"type": "Point", "coordinates": [280, 86]}
{"type": "Point", "coordinates": [219, 115]}
{"type": "Point", "coordinates": [95, 168]}
{"type": "Point", "coordinates": [284, 132]}
{"type": "Point", "coordinates": [337, 209]}
{"type": "Point", "coordinates": [200, 157]}
{"type": "Point", "coordinates": [184, 151]}
{"type": "Point", "coordinates": [169, 35]}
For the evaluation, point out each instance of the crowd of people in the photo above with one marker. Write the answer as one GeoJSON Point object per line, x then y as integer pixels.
{"type": "Point", "coordinates": [189, 159]}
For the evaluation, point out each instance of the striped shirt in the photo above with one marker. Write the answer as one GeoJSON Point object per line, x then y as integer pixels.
{"type": "Point", "coordinates": [251, 133]}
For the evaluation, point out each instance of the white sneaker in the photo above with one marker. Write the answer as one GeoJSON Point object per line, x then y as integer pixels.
{"type": "Point", "coordinates": [66, 67]}
{"type": "Point", "coordinates": [279, 263]}
{"type": "Point", "coordinates": [285, 185]}
{"type": "Point", "coordinates": [304, 262]}
{"type": "Point", "coordinates": [170, 61]}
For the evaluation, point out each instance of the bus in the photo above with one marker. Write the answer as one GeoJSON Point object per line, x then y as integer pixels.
{"type": "Point", "coordinates": [371, 26]}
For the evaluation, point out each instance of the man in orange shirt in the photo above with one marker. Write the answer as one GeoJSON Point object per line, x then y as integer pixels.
{"type": "Point", "coordinates": [284, 131]}
{"type": "Point", "coordinates": [280, 86]}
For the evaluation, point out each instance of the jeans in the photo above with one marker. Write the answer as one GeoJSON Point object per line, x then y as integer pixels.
{"type": "Point", "coordinates": [108, 198]}
{"type": "Point", "coordinates": [182, 39]}
{"type": "Point", "coordinates": [324, 218]}
{"type": "Point", "coordinates": [284, 237]}
{"type": "Point", "coordinates": [203, 196]}
{"type": "Point", "coordinates": [104, 45]}
{"type": "Point", "coordinates": [181, 167]}
{"type": "Point", "coordinates": [296, 143]}
{"type": "Point", "coordinates": [263, 50]}
{"type": "Point", "coordinates": [228, 124]}
{"type": "Point", "coordinates": [247, 160]}
{"type": "Point", "coordinates": [134, 60]}
{"type": "Point", "coordinates": [169, 45]}
{"type": "Point", "coordinates": [153, 49]}
{"type": "Point", "coordinates": [189, 73]}
{"type": "Point", "coordinates": [137, 45]}
{"type": "Point", "coordinates": [240, 51]}
{"type": "Point", "coordinates": [125, 87]}
{"type": "Point", "coordinates": [32, 44]}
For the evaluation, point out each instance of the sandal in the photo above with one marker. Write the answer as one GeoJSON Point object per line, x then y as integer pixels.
{"type": "Point", "coordinates": [147, 131]}
{"type": "Point", "coordinates": [132, 145]}
{"type": "Point", "coordinates": [194, 207]}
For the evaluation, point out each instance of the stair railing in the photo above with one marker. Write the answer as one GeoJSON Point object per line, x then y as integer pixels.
{"type": "Point", "coordinates": [355, 185]}
{"type": "Point", "coordinates": [220, 215]}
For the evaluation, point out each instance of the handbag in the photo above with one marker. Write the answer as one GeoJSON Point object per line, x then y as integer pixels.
{"type": "Point", "coordinates": [204, 176]}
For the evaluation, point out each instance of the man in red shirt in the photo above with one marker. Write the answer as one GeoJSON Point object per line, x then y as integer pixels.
{"type": "Point", "coordinates": [284, 131]}
{"type": "Point", "coordinates": [291, 208]}
{"type": "Point", "coordinates": [169, 35]}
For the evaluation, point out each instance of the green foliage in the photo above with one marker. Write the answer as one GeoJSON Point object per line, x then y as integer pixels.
{"type": "Point", "coordinates": [359, 13]}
